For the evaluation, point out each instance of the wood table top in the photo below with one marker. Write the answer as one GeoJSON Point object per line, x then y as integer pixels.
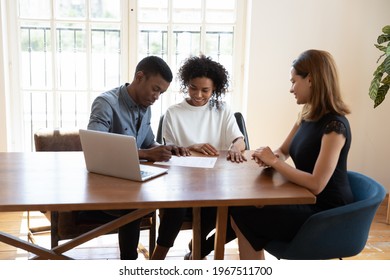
{"type": "Point", "coordinates": [59, 181]}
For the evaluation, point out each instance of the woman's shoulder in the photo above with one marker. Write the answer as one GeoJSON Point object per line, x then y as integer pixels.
{"type": "Point", "coordinates": [177, 106]}
{"type": "Point", "coordinates": [332, 117]}
{"type": "Point", "coordinates": [336, 123]}
{"type": "Point", "coordinates": [225, 108]}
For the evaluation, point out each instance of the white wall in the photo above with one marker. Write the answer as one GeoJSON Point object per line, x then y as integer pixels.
{"type": "Point", "coordinates": [280, 31]}
{"type": "Point", "coordinates": [3, 100]}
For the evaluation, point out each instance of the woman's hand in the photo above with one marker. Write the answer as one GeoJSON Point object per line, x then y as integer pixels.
{"type": "Point", "coordinates": [264, 157]}
{"type": "Point", "coordinates": [179, 151]}
{"type": "Point", "coordinates": [204, 148]}
{"type": "Point", "coordinates": [235, 155]}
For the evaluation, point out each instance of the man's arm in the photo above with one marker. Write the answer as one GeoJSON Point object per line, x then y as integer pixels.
{"type": "Point", "coordinates": [101, 116]}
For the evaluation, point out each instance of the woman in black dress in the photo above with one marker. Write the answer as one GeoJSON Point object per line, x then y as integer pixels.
{"type": "Point", "coordinates": [318, 144]}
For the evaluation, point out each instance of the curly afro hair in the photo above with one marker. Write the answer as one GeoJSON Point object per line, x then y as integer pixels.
{"type": "Point", "coordinates": [202, 66]}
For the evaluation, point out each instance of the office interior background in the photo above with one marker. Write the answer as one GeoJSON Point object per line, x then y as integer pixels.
{"type": "Point", "coordinates": [57, 55]}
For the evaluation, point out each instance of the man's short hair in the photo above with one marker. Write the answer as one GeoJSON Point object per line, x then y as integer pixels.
{"type": "Point", "coordinates": [153, 65]}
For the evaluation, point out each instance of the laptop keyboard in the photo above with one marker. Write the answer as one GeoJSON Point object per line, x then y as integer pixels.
{"type": "Point", "coordinates": [146, 173]}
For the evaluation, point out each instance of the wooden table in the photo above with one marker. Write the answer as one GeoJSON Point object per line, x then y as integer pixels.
{"type": "Point", "coordinates": [59, 181]}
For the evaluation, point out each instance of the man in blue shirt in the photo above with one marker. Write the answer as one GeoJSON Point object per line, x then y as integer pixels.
{"type": "Point", "coordinates": [126, 110]}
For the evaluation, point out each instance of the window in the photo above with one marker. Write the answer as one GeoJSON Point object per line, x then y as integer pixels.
{"type": "Point", "coordinates": [69, 51]}
{"type": "Point", "coordinates": [176, 29]}
{"type": "Point", "coordinates": [66, 52]}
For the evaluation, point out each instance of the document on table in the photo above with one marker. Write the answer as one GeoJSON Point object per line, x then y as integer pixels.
{"type": "Point", "coordinates": [203, 162]}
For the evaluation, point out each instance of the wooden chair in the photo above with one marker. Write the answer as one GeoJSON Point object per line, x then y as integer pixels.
{"type": "Point", "coordinates": [68, 225]}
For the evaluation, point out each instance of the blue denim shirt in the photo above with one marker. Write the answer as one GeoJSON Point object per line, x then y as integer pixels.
{"type": "Point", "coordinates": [116, 112]}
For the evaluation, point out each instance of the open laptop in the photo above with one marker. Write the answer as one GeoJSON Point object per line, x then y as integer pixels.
{"type": "Point", "coordinates": [115, 155]}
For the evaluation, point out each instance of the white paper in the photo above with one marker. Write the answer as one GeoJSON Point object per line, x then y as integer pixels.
{"type": "Point", "coordinates": [202, 162]}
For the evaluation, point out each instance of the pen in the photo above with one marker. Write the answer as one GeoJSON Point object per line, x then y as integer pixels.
{"type": "Point", "coordinates": [164, 142]}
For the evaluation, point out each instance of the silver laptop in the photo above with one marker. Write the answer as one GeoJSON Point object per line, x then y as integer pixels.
{"type": "Point", "coordinates": [115, 155]}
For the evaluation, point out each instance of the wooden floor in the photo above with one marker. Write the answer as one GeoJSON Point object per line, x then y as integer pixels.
{"type": "Point", "coordinates": [105, 247]}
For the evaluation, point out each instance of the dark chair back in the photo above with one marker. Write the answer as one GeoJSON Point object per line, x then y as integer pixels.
{"type": "Point", "coordinates": [241, 124]}
{"type": "Point", "coordinates": [159, 138]}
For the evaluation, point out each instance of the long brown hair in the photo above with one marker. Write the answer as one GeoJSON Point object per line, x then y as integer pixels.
{"type": "Point", "coordinates": [326, 95]}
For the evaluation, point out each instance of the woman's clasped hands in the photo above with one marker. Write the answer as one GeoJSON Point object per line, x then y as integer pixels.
{"type": "Point", "coordinates": [265, 157]}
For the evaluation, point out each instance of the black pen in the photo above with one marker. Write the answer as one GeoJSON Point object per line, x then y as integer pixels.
{"type": "Point", "coordinates": [164, 142]}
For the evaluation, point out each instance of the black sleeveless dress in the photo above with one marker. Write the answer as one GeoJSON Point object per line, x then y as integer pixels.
{"type": "Point", "coordinates": [281, 222]}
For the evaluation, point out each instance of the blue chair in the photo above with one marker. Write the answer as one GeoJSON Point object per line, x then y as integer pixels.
{"type": "Point", "coordinates": [336, 233]}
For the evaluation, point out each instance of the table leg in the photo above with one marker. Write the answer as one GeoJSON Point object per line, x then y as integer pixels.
{"type": "Point", "coordinates": [33, 248]}
{"type": "Point", "coordinates": [220, 233]}
{"type": "Point", "coordinates": [196, 254]}
{"type": "Point", "coordinates": [103, 229]}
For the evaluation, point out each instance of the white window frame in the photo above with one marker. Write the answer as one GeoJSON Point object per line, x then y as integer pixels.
{"type": "Point", "coordinates": [14, 119]}
{"type": "Point", "coordinates": [237, 96]}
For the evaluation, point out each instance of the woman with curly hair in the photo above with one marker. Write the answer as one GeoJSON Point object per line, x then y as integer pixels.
{"type": "Point", "coordinates": [203, 123]}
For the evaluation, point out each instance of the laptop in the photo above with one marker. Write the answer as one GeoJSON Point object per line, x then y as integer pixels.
{"type": "Point", "coordinates": [115, 155]}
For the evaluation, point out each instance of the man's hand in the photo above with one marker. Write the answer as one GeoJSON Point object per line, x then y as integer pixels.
{"type": "Point", "coordinates": [162, 152]}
